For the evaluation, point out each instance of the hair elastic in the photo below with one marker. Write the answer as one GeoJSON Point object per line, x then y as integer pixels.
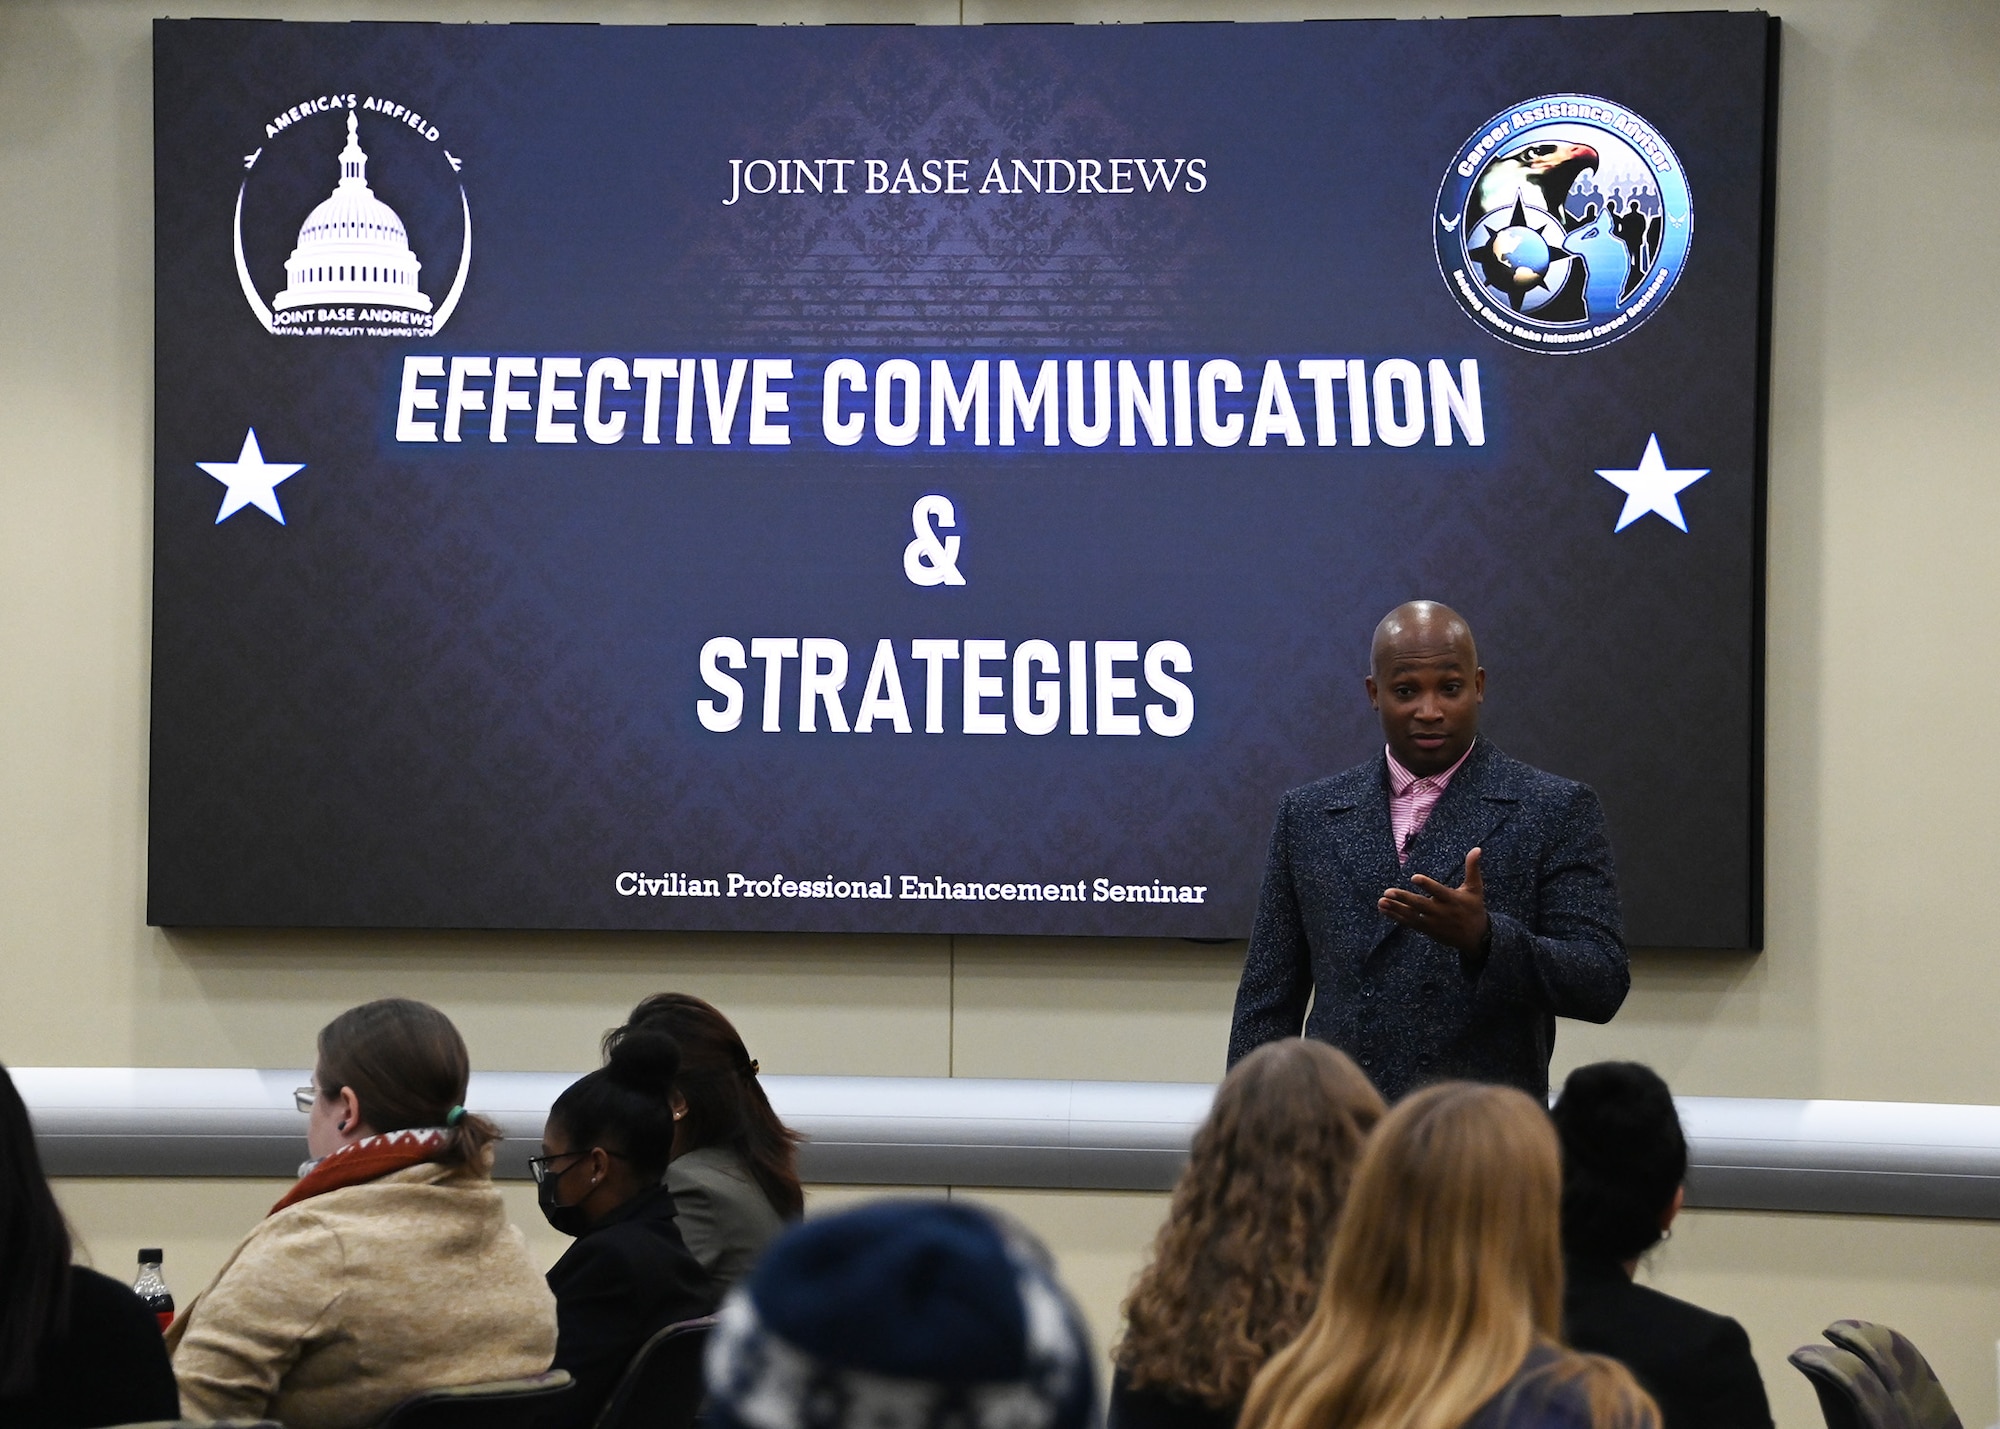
{"type": "Point", "coordinates": [454, 1116]}
{"type": "Point", "coordinates": [753, 1066]}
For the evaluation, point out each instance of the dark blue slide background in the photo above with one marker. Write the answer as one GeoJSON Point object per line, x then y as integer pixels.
{"type": "Point", "coordinates": [457, 686]}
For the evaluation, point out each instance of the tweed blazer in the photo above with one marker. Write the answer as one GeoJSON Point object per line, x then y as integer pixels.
{"type": "Point", "coordinates": [336, 1308]}
{"type": "Point", "coordinates": [1408, 1009]}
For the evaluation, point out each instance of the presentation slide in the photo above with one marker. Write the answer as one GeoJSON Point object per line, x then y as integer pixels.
{"type": "Point", "coordinates": [905, 479]}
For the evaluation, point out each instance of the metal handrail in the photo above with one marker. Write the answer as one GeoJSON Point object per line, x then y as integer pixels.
{"type": "Point", "coordinates": [1877, 1158]}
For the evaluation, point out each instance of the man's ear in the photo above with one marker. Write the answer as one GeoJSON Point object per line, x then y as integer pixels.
{"type": "Point", "coordinates": [1673, 1208]}
{"type": "Point", "coordinates": [1479, 683]}
{"type": "Point", "coordinates": [1369, 681]}
{"type": "Point", "coordinates": [348, 1119]}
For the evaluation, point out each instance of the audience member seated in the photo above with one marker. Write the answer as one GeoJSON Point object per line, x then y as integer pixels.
{"type": "Point", "coordinates": [629, 1274]}
{"type": "Point", "coordinates": [76, 1348]}
{"type": "Point", "coordinates": [1442, 1296]}
{"type": "Point", "coordinates": [390, 1267]}
{"type": "Point", "coordinates": [1624, 1159]}
{"type": "Point", "coordinates": [1237, 1266]}
{"type": "Point", "coordinates": [734, 1173]}
{"type": "Point", "coordinates": [913, 1314]}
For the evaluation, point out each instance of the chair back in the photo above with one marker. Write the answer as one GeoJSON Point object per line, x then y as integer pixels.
{"type": "Point", "coordinates": [501, 1404]}
{"type": "Point", "coordinates": [663, 1388]}
{"type": "Point", "coordinates": [1903, 1370]}
{"type": "Point", "coordinates": [1850, 1395]}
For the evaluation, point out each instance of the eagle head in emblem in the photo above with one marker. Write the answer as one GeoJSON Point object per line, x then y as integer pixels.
{"type": "Point", "coordinates": [1540, 174]}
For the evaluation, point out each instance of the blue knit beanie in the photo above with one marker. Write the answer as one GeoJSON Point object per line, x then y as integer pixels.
{"type": "Point", "coordinates": [901, 1315]}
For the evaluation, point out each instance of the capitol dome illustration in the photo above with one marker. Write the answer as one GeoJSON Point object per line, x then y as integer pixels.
{"type": "Point", "coordinates": [353, 248]}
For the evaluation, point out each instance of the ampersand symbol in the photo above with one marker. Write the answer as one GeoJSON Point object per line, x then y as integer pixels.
{"type": "Point", "coordinates": [927, 560]}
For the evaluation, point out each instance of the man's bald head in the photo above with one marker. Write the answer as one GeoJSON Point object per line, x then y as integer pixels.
{"type": "Point", "coordinates": [1421, 628]}
{"type": "Point", "coordinates": [1425, 681]}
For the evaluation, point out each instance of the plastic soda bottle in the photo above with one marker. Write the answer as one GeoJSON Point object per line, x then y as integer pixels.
{"type": "Point", "coordinates": [151, 1287]}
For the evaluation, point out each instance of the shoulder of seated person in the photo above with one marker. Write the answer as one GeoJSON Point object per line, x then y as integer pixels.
{"type": "Point", "coordinates": [1535, 1398]}
{"type": "Point", "coordinates": [1684, 1315]}
{"type": "Point", "coordinates": [1679, 1338]}
{"type": "Point", "coordinates": [99, 1295]}
{"type": "Point", "coordinates": [425, 1176]}
{"type": "Point", "coordinates": [631, 1252]}
{"type": "Point", "coordinates": [707, 1165]}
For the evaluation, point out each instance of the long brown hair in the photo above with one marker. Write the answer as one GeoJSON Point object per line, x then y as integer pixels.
{"type": "Point", "coordinates": [1237, 1265]}
{"type": "Point", "coordinates": [726, 1105]}
{"type": "Point", "coordinates": [407, 1067]}
{"type": "Point", "coordinates": [1446, 1270]}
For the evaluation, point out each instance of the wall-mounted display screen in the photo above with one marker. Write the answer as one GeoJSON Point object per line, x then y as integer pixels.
{"type": "Point", "coordinates": [909, 479]}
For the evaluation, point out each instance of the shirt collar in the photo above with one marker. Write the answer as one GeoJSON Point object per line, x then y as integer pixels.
{"type": "Point", "coordinates": [1401, 780]}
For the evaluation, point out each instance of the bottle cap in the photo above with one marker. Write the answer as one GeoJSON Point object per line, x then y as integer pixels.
{"type": "Point", "coordinates": [152, 1256]}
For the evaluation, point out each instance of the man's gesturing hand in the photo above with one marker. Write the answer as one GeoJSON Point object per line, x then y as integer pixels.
{"type": "Point", "coordinates": [1455, 917]}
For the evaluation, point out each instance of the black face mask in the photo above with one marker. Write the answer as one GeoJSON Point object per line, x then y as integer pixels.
{"type": "Point", "coordinates": [568, 1220]}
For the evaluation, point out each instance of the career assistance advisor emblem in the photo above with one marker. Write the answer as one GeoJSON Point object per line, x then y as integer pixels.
{"type": "Point", "coordinates": [354, 268]}
{"type": "Point", "coordinates": [1563, 223]}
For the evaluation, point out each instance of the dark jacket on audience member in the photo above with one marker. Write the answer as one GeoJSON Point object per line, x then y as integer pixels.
{"type": "Point", "coordinates": [1531, 1400]}
{"type": "Point", "coordinates": [110, 1368]}
{"type": "Point", "coordinates": [1402, 1005]}
{"type": "Point", "coordinates": [1156, 1408]}
{"type": "Point", "coordinates": [626, 1278]}
{"type": "Point", "coordinates": [725, 1217]}
{"type": "Point", "coordinates": [1696, 1364]}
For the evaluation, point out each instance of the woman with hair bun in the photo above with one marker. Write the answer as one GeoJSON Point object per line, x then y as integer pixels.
{"type": "Point", "coordinates": [391, 1267]}
{"type": "Point", "coordinates": [734, 1172]}
{"type": "Point", "coordinates": [1624, 1158]}
{"type": "Point", "coordinates": [1236, 1268]}
{"type": "Point", "coordinates": [604, 1151]}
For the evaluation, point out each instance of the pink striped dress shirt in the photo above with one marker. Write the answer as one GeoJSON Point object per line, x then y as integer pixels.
{"type": "Point", "coordinates": [1411, 800]}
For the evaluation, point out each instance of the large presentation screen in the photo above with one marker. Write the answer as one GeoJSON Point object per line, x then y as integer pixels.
{"type": "Point", "coordinates": [937, 479]}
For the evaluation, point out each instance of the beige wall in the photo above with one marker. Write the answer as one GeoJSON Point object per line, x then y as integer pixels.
{"type": "Point", "coordinates": [1884, 496]}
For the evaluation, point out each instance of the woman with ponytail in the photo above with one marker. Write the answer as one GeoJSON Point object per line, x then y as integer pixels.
{"type": "Point", "coordinates": [604, 1151]}
{"type": "Point", "coordinates": [734, 1173]}
{"type": "Point", "coordinates": [391, 1267]}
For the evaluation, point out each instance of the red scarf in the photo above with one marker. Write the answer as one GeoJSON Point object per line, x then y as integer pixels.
{"type": "Point", "coordinates": [366, 1160]}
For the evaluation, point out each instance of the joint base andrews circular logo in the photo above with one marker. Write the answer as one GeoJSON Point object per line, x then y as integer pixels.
{"type": "Point", "coordinates": [362, 194]}
{"type": "Point", "coordinates": [1563, 223]}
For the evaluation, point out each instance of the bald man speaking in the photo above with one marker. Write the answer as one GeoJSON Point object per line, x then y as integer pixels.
{"type": "Point", "coordinates": [1440, 905]}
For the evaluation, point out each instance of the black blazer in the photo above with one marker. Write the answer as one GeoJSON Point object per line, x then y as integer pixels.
{"type": "Point", "coordinates": [1408, 1009]}
{"type": "Point", "coordinates": [110, 1368]}
{"type": "Point", "coordinates": [626, 1278]}
{"type": "Point", "coordinates": [1696, 1364]}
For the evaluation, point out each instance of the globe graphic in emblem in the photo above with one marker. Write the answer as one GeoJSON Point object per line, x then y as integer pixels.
{"type": "Point", "coordinates": [1520, 255]}
{"type": "Point", "coordinates": [1526, 252]}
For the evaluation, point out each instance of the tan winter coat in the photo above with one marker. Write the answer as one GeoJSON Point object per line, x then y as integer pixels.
{"type": "Point", "coordinates": [334, 1310]}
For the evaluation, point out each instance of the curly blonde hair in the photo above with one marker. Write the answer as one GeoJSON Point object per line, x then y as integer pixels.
{"type": "Point", "coordinates": [1237, 1266]}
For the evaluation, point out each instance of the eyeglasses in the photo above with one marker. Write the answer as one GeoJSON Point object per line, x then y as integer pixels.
{"type": "Point", "coordinates": [304, 1097]}
{"type": "Point", "coordinates": [538, 1166]}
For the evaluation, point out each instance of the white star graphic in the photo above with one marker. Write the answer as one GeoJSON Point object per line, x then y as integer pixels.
{"type": "Point", "coordinates": [251, 480]}
{"type": "Point", "coordinates": [1653, 487]}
